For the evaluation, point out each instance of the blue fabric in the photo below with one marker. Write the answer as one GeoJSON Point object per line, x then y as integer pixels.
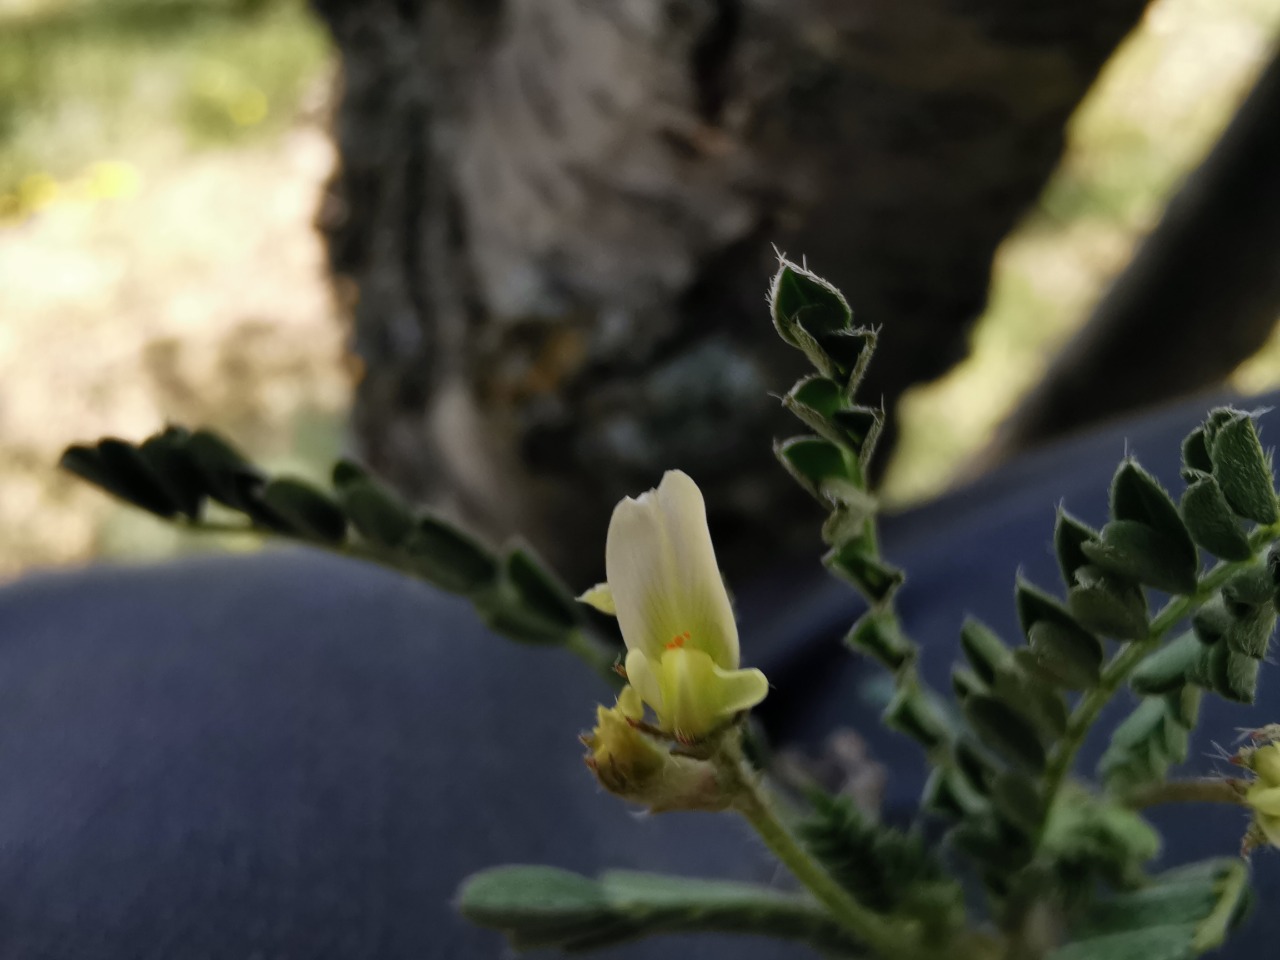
{"type": "Point", "coordinates": [292, 755]}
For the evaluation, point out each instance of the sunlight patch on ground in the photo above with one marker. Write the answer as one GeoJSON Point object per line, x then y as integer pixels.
{"type": "Point", "coordinates": [1154, 113]}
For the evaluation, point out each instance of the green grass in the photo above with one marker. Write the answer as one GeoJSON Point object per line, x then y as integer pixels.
{"type": "Point", "coordinates": [92, 80]}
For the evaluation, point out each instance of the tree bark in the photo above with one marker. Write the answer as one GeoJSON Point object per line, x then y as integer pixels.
{"type": "Point", "coordinates": [1201, 295]}
{"type": "Point", "coordinates": [554, 222]}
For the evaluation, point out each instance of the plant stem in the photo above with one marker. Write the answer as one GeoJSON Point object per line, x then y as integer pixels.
{"type": "Point", "coordinates": [1123, 663]}
{"type": "Point", "coordinates": [754, 805]}
{"type": "Point", "coordinates": [1183, 791]}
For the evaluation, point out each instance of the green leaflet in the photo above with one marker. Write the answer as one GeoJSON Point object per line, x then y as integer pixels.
{"type": "Point", "coordinates": [1235, 675]}
{"type": "Point", "coordinates": [857, 562]}
{"type": "Point", "coordinates": [914, 712]}
{"type": "Point", "coordinates": [1137, 497]}
{"type": "Point", "coordinates": [951, 793]}
{"type": "Point", "coordinates": [1211, 521]}
{"type": "Point", "coordinates": [851, 508]}
{"type": "Point", "coordinates": [1243, 470]}
{"type": "Point", "coordinates": [878, 636]}
{"type": "Point", "coordinates": [116, 467]}
{"type": "Point", "coordinates": [1181, 914]}
{"type": "Point", "coordinates": [307, 511]}
{"type": "Point", "coordinates": [1073, 658]}
{"type": "Point", "coordinates": [1042, 704]}
{"type": "Point", "coordinates": [1211, 621]}
{"type": "Point", "coordinates": [1088, 837]}
{"type": "Point", "coordinates": [1101, 601]}
{"type": "Point", "coordinates": [1166, 670]}
{"type": "Point", "coordinates": [1248, 591]}
{"type": "Point", "coordinates": [965, 683]}
{"type": "Point", "coordinates": [850, 351]}
{"type": "Point", "coordinates": [544, 907]}
{"type": "Point", "coordinates": [994, 842]}
{"type": "Point", "coordinates": [1108, 605]}
{"type": "Point", "coordinates": [528, 603]}
{"type": "Point", "coordinates": [1136, 551]}
{"type": "Point", "coordinates": [1069, 534]}
{"type": "Point", "coordinates": [1016, 798]}
{"type": "Point", "coordinates": [985, 650]}
{"type": "Point", "coordinates": [1150, 740]}
{"type": "Point", "coordinates": [1251, 635]}
{"type": "Point", "coordinates": [976, 764]}
{"type": "Point", "coordinates": [226, 473]}
{"type": "Point", "coordinates": [1005, 732]}
{"type": "Point", "coordinates": [166, 454]}
{"type": "Point", "coordinates": [449, 558]}
{"type": "Point", "coordinates": [860, 428]}
{"type": "Point", "coordinates": [1235, 628]}
{"type": "Point", "coordinates": [814, 461]}
{"type": "Point", "coordinates": [813, 316]}
{"type": "Point", "coordinates": [1062, 649]}
{"type": "Point", "coordinates": [541, 592]}
{"type": "Point", "coordinates": [800, 298]}
{"type": "Point", "coordinates": [889, 870]}
{"type": "Point", "coordinates": [376, 513]}
{"type": "Point", "coordinates": [1195, 455]}
{"type": "Point", "coordinates": [814, 399]}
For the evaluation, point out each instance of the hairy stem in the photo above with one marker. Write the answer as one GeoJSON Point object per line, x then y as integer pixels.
{"type": "Point", "coordinates": [887, 938]}
{"type": "Point", "coordinates": [753, 803]}
{"type": "Point", "coordinates": [1184, 791]}
{"type": "Point", "coordinates": [1122, 664]}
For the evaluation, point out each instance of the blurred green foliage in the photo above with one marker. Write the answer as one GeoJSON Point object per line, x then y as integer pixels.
{"type": "Point", "coordinates": [88, 80]}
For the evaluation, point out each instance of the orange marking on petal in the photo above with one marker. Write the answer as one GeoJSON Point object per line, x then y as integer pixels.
{"type": "Point", "coordinates": [677, 641]}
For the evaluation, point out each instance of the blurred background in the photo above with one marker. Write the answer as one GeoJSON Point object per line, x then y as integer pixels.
{"type": "Point", "coordinates": [163, 165]}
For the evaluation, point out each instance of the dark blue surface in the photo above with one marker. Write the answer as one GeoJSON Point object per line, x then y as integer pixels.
{"type": "Point", "coordinates": [292, 755]}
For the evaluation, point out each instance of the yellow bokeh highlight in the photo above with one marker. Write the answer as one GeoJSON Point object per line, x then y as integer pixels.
{"type": "Point", "coordinates": [37, 191]}
{"type": "Point", "coordinates": [103, 180]}
{"type": "Point", "coordinates": [112, 180]}
{"type": "Point", "coordinates": [248, 108]}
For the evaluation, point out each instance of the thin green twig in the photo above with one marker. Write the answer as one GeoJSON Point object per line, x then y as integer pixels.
{"type": "Point", "coordinates": [755, 806]}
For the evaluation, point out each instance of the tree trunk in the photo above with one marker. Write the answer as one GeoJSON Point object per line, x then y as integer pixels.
{"type": "Point", "coordinates": [554, 220]}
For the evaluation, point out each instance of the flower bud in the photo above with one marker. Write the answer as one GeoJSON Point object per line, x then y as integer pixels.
{"type": "Point", "coordinates": [635, 766]}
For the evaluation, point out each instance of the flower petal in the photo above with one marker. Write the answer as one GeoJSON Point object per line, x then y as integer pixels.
{"type": "Point", "coordinates": [601, 598]}
{"type": "Point", "coordinates": [630, 704]}
{"type": "Point", "coordinates": [699, 696]}
{"type": "Point", "coordinates": [1270, 827]}
{"type": "Point", "coordinates": [1264, 799]}
{"type": "Point", "coordinates": [741, 689]}
{"type": "Point", "coordinates": [702, 602]}
{"type": "Point", "coordinates": [642, 576]}
{"type": "Point", "coordinates": [643, 678]}
{"type": "Point", "coordinates": [1265, 762]}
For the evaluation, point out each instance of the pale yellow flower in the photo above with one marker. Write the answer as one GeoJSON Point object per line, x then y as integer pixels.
{"type": "Point", "coordinates": [665, 588]}
{"type": "Point", "coordinates": [1263, 794]}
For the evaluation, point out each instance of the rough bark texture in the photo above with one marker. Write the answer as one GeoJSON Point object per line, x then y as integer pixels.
{"type": "Point", "coordinates": [1201, 295]}
{"type": "Point", "coordinates": [555, 219]}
